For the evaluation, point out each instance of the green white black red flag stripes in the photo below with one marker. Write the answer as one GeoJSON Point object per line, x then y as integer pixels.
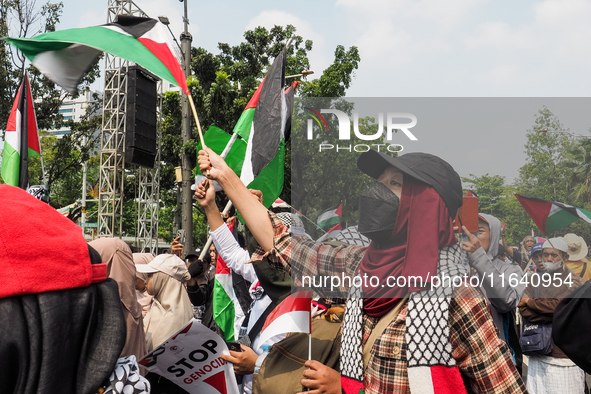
{"type": "Point", "coordinates": [551, 216]}
{"type": "Point", "coordinates": [330, 217]}
{"type": "Point", "coordinates": [227, 312]}
{"type": "Point", "coordinates": [258, 155]}
{"type": "Point", "coordinates": [64, 56]}
{"type": "Point", "coordinates": [21, 140]}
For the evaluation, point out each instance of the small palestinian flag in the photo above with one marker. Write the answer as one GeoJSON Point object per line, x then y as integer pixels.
{"type": "Point", "coordinates": [65, 56]}
{"type": "Point", "coordinates": [551, 216]}
{"type": "Point", "coordinates": [291, 315]}
{"type": "Point", "coordinates": [227, 312]}
{"type": "Point", "coordinates": [21, 139]}
{"type": "Point", "coordinates": [330, 217]}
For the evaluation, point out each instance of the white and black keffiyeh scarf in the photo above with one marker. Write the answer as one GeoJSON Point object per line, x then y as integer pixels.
{"type": "Point", "coordinates": [427, 334]}
{"type": "Point", "coordinates": [126, 378]}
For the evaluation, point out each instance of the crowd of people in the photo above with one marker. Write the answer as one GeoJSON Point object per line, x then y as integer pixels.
{"type": "Point", "coordinates": [76, 313]}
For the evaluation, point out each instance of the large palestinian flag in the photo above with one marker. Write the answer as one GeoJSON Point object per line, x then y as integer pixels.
{"type": "Point", "coordinates": [258, 155]}
{"type": "Point", "coordinates": [551, 216]}
{"type": "Point", "coordinates": [64, 56]}
{"type": "Point", "coordinates": [21, 139]}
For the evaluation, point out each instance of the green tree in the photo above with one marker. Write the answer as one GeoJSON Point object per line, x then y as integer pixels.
{"type": "Point", "coordinates": [63, 157]}
{"type": "Point", "coordinates": [490, 190]}
{"type": "Point", "coordinates": [547, 150]}
{"type": "Point", "coordinates": [579, 181]}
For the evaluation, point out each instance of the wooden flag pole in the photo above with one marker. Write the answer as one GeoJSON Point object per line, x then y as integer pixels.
{"type": "Point", "coordinates": [198, 129]}
{"type": "Point", "coordinates": [196, 119]}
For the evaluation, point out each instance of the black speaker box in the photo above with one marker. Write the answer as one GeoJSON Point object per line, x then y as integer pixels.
{"type": "Point", "coordinates": [141, 120]}
{"type": "Point", "coordinates": [139, 157]}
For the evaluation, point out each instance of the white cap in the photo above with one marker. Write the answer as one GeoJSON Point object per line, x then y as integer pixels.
{"type": "Point", "coordinates": [168, 263]}
{"type": "Point", "coordinates": [556, 243]}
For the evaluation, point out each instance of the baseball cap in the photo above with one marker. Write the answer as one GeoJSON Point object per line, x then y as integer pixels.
{"type": "Point", "coordinates": [424, 167]}
{"type": "Point", "coordinates": [536, 248]}
{"type": "Point", "coordinates": [170, 264]}
{"type": "Point", "coordinates": [65, 261]}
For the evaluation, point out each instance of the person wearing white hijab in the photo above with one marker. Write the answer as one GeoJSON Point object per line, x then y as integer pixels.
{"type": "Point", "coordinates": [171, 308]}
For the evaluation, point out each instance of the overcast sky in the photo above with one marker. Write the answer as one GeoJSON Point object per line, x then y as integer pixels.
{"type": "Point", "coordinates": [426, 48]}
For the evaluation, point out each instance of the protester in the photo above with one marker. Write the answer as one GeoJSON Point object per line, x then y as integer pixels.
{"type": "Point", "coordinates": [577, 260]}
{"type": "Point", "coordinates": [236, 256]}
{"type": "Point", "coordinates": [536, 256]}
{"type": "Point", "coordinates": [213, 253]}
{"type": "Point", "coordinates": [62, 327]}
{"type": "Point", "coordinates": [171, 308]}
{"type": "Point", "coordinates": [141, 282]}
{"type": "Point", "coordinates": [121, 268]}
{"type": "Point", "coordinates": [408, 215]}
{"type": "Point", "coordinates": [552, 373]}
{"type": "Point", "coordinates": [200, 287]}
{"type": "Point", "coordinates": [496, 274]}
{"type": "Point", "coordinates": [523, 256]}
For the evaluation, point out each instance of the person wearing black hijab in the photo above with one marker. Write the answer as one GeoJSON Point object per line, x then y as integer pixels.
{"type": "Point", "coordinates": [431, 341]}
{"type": "Point", "coordinates": [62, 327]}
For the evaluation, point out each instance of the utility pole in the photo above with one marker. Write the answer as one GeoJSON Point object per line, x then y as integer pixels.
{"type": "Point", "coordinates": [187, 193]}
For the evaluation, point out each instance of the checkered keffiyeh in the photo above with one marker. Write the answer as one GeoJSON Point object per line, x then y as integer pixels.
{"type": "Point", "coordinates": [482, 358]}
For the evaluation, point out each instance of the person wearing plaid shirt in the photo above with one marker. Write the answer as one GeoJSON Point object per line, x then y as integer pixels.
{"type": "Point", "coordinates": [483, 359]}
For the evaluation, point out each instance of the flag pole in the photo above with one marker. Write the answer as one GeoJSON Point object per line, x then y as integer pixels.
{"type": "Point", "coordinates": [196, 119]}
{"type": "Point", "coordinates": [203, 146]}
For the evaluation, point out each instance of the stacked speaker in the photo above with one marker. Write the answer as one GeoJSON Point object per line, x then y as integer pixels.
{"type": "Point", "coordinates": [140, 129]}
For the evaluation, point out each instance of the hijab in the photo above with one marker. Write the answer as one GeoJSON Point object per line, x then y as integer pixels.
{"type": "Point", "coordinates": [423, 227]}
{"type": "Point", "coordinates": [170, 311]}
{"type": "Point", "coordinates": [121, 268]}
{"type": "Point", "coordinates": [65, 341]}
{"type": "Point", "coordinates": [143, 297]}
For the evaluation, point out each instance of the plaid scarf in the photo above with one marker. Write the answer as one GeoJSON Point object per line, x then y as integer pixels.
{"type": "Point", "coordinates": [430, 365]}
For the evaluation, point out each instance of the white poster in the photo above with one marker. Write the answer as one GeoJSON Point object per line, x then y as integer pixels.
{"type": "Point", "coordinates": [192, 359]}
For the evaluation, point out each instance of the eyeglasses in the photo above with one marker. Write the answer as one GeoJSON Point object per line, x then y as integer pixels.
{"type": "Point", "coordinates": [553, 255]}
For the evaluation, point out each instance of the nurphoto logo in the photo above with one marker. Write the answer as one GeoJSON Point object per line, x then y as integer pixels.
{"type": "Point", "coordinates": [392, 123]}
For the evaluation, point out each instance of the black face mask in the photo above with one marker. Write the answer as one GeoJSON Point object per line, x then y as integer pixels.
{"type": "Point", "coordinates": [378, 208]}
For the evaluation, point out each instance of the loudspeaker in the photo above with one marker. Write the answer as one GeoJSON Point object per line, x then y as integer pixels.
{"type": "Point", "coordinates": [140, 122]}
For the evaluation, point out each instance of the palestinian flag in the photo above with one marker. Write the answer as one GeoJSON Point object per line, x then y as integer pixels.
{"type": "Point", "coordinates": [330, 217]}
{"type": "Point", "coordinates": [332, 233]}
{"type": "Point", "coordinates": [64, 56]}
{"type": "Point", "coordinates": [551, 216]}
{"type": "Point", "coordinates": [291, 315]}
{"type": "Point", "coordinates": [279, 203]}
{"type": "Point", "coordinates": [258, 155]}
{"type": "Point", "coordinates": [227, 312]}
{"type": "Point", "coordinates": [21, 139]}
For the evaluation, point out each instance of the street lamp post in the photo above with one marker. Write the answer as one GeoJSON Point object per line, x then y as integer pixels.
{"type": "Point", "coordinates": [187, 195]}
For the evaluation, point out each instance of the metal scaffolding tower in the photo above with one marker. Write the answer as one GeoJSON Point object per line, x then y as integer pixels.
{"type": "Point", "coordinates": [149, 194]}
{"type": "Point", "coordinates": [112, 155]}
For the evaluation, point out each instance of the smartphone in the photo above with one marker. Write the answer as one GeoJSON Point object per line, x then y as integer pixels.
{"type": "Point", "coordinates": [234, 346]}
{"type": "Point", "coordinates": [180, 234]}
{"type": "Point", "coordinates": [468, 214]}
